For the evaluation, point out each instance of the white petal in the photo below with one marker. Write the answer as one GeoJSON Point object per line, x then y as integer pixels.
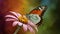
{"type": "Point", "coordinates": [31, 29]}
{"type": "Point", "coordinates": [9, 19]}
{"type": "Point", "coordinates": [19, 14]}
{"type": "Point", "coordinates": [24, 27]}
{"type": "Point", "coordinates": [20, 24]}
{"type": "Point", "coordinates": [11, 16]}
{"type": "Point", "coordinates": [15, 23]}
{"type": "Point", "coordinates": [14, 13]}
{"type": "Point", "coordinates": [33, 25]}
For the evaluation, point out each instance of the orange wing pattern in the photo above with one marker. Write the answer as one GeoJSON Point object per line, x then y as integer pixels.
{"type": "Point", "coordinates": [39, 12]}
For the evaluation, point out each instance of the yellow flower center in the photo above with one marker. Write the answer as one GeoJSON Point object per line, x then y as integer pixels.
{"type": "Point", "coordinates": [23, 19]}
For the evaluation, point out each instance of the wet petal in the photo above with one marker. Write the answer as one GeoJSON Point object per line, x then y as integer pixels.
{"type": "Point", "coordinates": [20, 24]}
{"type": "Point", "coordinates": [33, 25]}
{"type": "Point", "coordinates": [11, 16]}
{"type": "Point", "coordinates": [18, 14]}
{"type": "Point", "coordinates": [24, 27]}
{"type": "Point", "coordinates": [10, 19]}
{"type": "Point", "coordinates": [14, 13]}
{"type": "Point", "coordinates": [15, 23]}
{"type": "Point", "coordinates": [31, 29]}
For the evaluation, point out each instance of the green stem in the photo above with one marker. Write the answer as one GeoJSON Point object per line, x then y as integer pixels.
{"type": "Point", "coordinates": [17, 30]}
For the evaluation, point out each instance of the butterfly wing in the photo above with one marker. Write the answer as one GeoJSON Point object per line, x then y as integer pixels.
{"type": "Point", "coordinates": [33, 15]}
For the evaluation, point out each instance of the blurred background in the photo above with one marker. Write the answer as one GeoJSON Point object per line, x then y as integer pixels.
{"type": "Point", "coordinates": [51, 18]}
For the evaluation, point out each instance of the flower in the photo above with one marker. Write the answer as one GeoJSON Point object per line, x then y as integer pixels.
{"type": "Point", "coordinates": [20, 20]}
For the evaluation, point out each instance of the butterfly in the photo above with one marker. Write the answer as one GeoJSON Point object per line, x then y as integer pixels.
{"type": "Point", "coordinates": [36, 15]}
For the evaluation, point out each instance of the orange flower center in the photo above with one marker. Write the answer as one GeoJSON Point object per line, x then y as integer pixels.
{"type": "Point", "coordinates": [23, 19]}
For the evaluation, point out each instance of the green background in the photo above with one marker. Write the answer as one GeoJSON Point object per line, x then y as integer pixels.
{"type": "Point", "coordinates": [51, 18]}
